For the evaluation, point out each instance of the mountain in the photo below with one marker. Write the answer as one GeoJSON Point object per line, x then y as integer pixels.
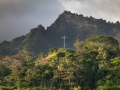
{"type": "Point", "coordinates": [35, 41]}
{"type": "Point", "coordinates": [72, 25]}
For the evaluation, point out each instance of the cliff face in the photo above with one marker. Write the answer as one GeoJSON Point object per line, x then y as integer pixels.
{"type": "Point", "coordinates": [72, 25]}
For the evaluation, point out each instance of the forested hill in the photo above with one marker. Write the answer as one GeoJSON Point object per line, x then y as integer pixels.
{"type": "Point", "coordinates": [95, 65]}
{"type": "Point", "coordinates": [72, 25]}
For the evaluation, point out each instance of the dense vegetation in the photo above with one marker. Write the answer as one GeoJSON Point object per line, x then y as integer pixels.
{"type": "Point", "coordinates": [72, 25]}
{"type": "Point", "coordinates": [93, 66]}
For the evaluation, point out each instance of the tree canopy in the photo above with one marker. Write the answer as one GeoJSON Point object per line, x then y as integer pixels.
{"type": "Point", "coordinates": [95, 66]}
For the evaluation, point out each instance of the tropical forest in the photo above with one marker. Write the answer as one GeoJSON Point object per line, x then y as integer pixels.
{"type": "Point", "coordinates": [94, 65]}
{"type": "Point", "coordinates": [87, 59]}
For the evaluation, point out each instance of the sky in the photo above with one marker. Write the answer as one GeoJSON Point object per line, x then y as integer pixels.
{"type": "Point", "coordinates": [18, 17]}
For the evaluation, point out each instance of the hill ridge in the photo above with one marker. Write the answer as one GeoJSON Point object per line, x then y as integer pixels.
{"type": "Point", "coordinates": [72, 25]}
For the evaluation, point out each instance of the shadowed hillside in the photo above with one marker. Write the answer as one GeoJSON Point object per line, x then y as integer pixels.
{"type": "Point", "coordinates": [72, 25]}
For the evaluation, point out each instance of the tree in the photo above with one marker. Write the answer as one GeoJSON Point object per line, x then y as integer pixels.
{"type": "Point", "coordinates": [4, 71]}
{"type": "Point", "coordinates": [79, 44]}
{"type": "Point", "coordinates": [105, 47]}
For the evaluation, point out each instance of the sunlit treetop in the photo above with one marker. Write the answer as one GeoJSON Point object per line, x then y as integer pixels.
{"type": "Point", "coordinates": [103, 39]}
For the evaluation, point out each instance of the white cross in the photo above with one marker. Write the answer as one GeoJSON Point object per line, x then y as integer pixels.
{"type": "Point", "coordinates": [64, 40]}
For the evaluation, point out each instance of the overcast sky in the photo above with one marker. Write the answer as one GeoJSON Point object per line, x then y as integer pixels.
{"type": "Point", "coordinates": [17, 17]}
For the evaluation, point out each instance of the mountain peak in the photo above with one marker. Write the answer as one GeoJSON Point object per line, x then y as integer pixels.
{"type": "Point", "coordinates": [72, 25]}
{"type": "Point", "coordinates": [67, 12]}
{"type": "Point", "coordinates": [40, 27]}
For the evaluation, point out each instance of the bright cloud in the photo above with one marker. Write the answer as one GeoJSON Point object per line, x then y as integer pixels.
{"type": "Point", "coordinates": [106, 9]}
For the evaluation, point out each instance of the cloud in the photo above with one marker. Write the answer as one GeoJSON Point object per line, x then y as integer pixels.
{"type": "Point", "coordinates": [17, 17]}
{"type": "Point", "coordinates": [106, 9]}
{"type": "Point", "coordinates": [17, 7]}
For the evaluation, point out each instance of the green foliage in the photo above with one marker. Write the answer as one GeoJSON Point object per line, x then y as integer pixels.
{"type": "Point", "coordinates": [4, 71]}
{"type": "Point", "coordinates": [92, 67]}
{"type": "Point", "coordinates": [105, 47]}
{"type": "Point", "coordinates": [79, 44]}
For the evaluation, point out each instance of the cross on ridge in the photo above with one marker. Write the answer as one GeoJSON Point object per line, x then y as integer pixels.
{"type": "Point", "coordinates": [64, 40]}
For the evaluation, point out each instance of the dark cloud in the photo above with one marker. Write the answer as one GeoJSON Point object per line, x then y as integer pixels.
{"type": "Point", "coordinates": [17, 17]}
{"type": "Point", "coordinates": [17, 7]}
